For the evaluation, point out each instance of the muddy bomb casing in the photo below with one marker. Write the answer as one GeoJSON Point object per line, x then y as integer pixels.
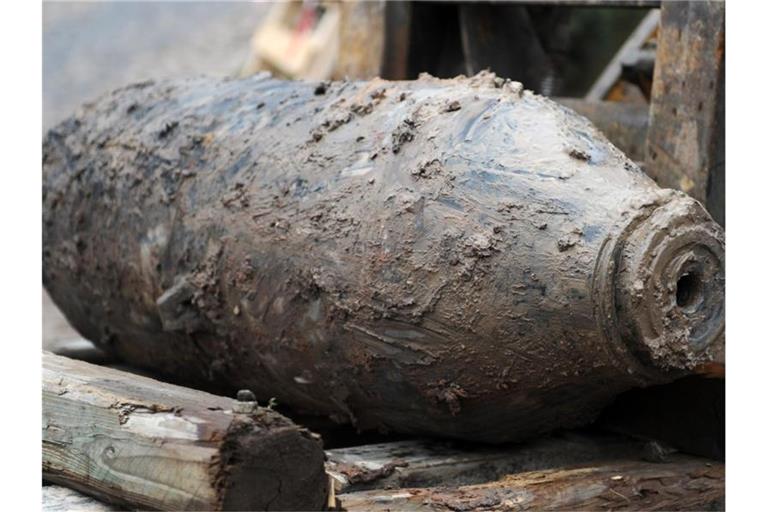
{"type": "Point", "coordinates": [453, 257]}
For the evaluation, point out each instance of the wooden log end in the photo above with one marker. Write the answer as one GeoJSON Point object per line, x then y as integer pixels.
{"type": "Point", "coordinates": [260, 449]}
{"type": "Point", "coordinates": [137, 442]}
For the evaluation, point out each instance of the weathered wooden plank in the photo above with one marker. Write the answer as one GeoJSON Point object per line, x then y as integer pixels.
{"type": "Point", "coordinates": [142, 443]}
{"type": "Point", "coordinates": [361, 40]}
{"type": "Point", "coordinates": [685, 483]}
{"type": "Point", "coordinates": [62, 499]}
{"type": "Point", "coordinates": [686, 135]}
{"type": "Point", "coordinates": [423, 463]}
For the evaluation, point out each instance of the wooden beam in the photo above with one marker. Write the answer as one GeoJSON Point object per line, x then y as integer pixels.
{"type": "Point", "coordinates": [361, 40]}
{"type": "Point", "coordinates": [686, 135]}
{"type": "Point", "coordinates": [145, 444]}
{"type": "Point", "coordinates": [397, 40]}
{"type": "Point", "coordinates": [423, 463]}
{"type": "Point", "coordinates": [685, 483]}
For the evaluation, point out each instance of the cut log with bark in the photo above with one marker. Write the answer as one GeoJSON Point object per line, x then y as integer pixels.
{"type": "Point", "coordinates": [459, 258]}
{"type": "Point", "coordinates": [684, 483]}
{"type": "Point", "coordinates": [425, 463]}
{"type": "Point", "coordinates": [145, 444]}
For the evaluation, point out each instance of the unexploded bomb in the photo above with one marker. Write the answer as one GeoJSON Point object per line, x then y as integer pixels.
{"type": "Point", "coordinates": [455, 257]}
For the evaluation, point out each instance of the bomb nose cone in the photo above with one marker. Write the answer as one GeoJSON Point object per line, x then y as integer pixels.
{"type": "Point", "coordinates": [670, 286]}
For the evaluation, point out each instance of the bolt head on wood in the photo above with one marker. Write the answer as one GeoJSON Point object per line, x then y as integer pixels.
{"type": "Point", "coordinates": [246, 395]}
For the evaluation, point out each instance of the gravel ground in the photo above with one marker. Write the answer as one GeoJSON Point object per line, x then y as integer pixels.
{"type": "Point", "coordinates": [90, 48]}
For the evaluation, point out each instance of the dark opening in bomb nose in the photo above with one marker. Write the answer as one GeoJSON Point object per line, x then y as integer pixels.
{"type": "Point", "coordinates": [688, 294]}
{"type": "Point", "coordinates": [670, 286]}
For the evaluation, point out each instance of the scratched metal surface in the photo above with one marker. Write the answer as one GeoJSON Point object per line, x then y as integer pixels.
{"type": "Point", "coordinates": [92, 47]}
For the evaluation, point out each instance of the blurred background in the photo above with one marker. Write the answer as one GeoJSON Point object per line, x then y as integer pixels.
{"type": "Point", "coordinates": [554, 49]}
{"type": "Point", "coordinates": [92, 47]}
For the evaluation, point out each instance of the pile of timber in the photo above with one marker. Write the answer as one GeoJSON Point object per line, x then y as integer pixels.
{"type": "Point", "coordinates": [144, 444]}
{"type": "Point", "coordinates": [135, 442]}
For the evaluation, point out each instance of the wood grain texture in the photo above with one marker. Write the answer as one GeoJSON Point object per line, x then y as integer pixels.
{"type": "Point", "coordinates": [686, 135]}
{"type": "Point", "coordinates": [424, 463]}
{"type": "Point", "coordinates": [683, 484]}
{"type": "Point", "coordinates": [142, 443]}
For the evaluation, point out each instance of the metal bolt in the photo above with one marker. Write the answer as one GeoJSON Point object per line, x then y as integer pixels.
{"type": "Point", "coordinates": [246, 395]}
{"type": "Point", "coordinates": [246, 402]}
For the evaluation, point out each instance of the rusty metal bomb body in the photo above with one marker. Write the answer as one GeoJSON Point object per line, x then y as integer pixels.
{"type": "Point", "coordinates": [453, 257]}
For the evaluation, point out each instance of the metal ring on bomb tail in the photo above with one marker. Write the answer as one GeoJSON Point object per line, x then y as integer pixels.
{"type": "Point", "coordinates": [671, 278]}
{"type": "Point", "coordinates": [659, 287]}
